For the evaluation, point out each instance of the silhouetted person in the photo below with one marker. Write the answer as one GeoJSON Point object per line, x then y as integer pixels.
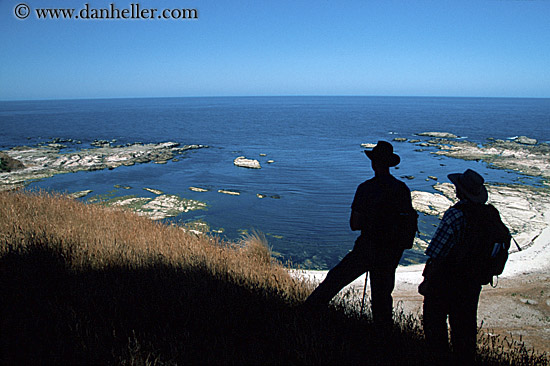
{"type": "Point", "coordinates": [378, 249]}
{"type": "Point", "coordinates": [452, 285]}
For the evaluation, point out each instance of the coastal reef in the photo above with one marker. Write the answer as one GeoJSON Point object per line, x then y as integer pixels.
{"type": "Point", "coordinates": [39, 162]}
{"type": "Point", "coordinates": [157, 208]}
{"type": "Point", "coordinates": [522, 208]}
{"type": "Point", "coordinates": [521, 154]}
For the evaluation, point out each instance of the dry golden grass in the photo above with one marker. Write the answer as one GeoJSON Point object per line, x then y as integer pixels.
{"type": "Point", "coordinates": [94, 237]}
{"type": "Point", "coordinates": [89, 284]}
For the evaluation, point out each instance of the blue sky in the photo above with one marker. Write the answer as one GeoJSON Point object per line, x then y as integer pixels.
{"type": "Point", "coordinates": [498, 48]}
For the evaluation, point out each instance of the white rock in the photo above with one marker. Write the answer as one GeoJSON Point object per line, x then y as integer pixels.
{"type": "Point", "coordinates": [368, 145]}
{"type": "Point", "coordinates": [525, 140]}
{"type": "Point", "coordinates": [198, 189]}
{"type": "Point", "coordinates": [434, 204]}
{"type": "Point", "coordinates": [247, 163]}
{"type": "Point", "coordinates": [232, 193]}
{"type": "Point", "coordinates": [154, 191]}
{"type": "Point", "coordinates": [529, 301]}
{"type": "Point", "coordinates": [80, 194]}
{"type": "Point", "coordinates": [442, 135]}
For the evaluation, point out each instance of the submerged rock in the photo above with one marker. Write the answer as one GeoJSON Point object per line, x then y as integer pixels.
{"type": "Point", "coordinates": [57, 146]}
{"type": "Point", "coordinates": [197, 227]}
{"type": "Point", "coordinates": [100, 143]}
{"type": "Point", "coordinates": [80, 194]}
{"type": "Point", "coordinates": [121, 186]}
{"type": "Point", "coordinates": [247, 163]}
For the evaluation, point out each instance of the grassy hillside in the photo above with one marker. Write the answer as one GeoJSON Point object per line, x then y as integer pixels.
{"type": "Point", "coordinates": [87, 284]}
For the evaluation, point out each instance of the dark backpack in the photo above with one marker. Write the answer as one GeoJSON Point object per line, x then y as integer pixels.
{"type": "Point", "coordinates": [396, 222]}
{"type": "Point", "coordinates": [482, 250]}
{"type": "Point", "coordinates": [402, 227]}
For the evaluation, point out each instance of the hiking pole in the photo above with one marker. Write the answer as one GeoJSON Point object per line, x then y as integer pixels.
{"type": "Point", "coordinates": [514, 239]}
{"type": "Point", "coordinates": [364, 291]}
{"type": "Point", "coordinates": [517, 245]}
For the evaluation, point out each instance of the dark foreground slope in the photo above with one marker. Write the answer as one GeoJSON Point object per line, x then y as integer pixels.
{"type": "Point", "coordinates": [85, 284]}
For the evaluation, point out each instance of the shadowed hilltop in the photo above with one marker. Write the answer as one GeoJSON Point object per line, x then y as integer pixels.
{"type": "Point", "coordinates": [88, 284]}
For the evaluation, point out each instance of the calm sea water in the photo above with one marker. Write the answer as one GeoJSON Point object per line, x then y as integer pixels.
{"type": "Point", "coordinates": [314, 141]}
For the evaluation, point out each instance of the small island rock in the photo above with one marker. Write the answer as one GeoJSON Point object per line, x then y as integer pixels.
{"type": "Point", "coordinates": [231, 193]}
{"type": "Point", "coordinates": [525, 140]}
{"type": "Point", "coordinates": [247, 163]}
{"type": "Point", "coordinates": [368, 145]}
{"type": "Point", "coordinates": [442, 135]}
{"type": "Point", "coordinates": [198, 189]}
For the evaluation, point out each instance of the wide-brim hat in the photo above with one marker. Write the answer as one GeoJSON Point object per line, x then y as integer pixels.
{"type": "Point", "coordinates": [471, 184]}
{"type": "Point", "coordinates": [383, 154]}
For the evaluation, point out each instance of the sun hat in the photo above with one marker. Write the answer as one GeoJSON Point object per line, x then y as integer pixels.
{"type": "Point", "coordinates": [471, 184]}
{"type": "Point", "coordinates": [383, 154]}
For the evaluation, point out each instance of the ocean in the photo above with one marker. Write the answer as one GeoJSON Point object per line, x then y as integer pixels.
{"type": "Point", "coordinates": [315, 143]}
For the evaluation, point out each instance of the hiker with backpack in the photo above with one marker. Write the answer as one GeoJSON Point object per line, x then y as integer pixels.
{"type": "Point", "coordinates": [469, 247]}
{"type": "Point", "coordinates": [382, 210]}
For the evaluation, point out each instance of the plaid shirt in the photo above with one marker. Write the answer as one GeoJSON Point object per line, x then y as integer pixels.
{"type": "Point", "coordinates": [447, 233]}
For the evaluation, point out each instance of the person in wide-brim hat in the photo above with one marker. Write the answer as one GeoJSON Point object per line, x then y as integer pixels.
{"type": "Point", "coordinates": [383, 154]}
{"type": "Point", "coordinates": [471, 184]}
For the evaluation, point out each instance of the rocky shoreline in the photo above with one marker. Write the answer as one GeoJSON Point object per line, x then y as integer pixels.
{"type": "Point", "coordinates": [522, 208]}
{"type": "Point", "coordinates": [521, 154]}
{"type": "Point", "coordinates": [533, 160]}
{"type": "Point", "coordinates": [39, 162]}
{"type": "Point", "coordinates": [520, 205]}
{"type": "Point", "coordinates": [157, 208]}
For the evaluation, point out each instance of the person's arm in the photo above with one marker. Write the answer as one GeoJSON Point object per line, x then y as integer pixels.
{"type": "Point", "coordinates": [446, 234]}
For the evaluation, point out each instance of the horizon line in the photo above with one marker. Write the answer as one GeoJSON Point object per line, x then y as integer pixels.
{"type": "Point", "coordinates": [272, 96]}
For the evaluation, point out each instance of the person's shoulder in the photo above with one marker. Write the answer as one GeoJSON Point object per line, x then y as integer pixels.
{"type": "Point", "coordinates": [453, 213]}
{"type": "Point", "coordinates": [368, 183]}
{"type": "Point", "coordinates": [402, 184]}
{"type": "Point", "coordinates": [492, 209]}
{"type": "Point", "coordinates": [399, 183]}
